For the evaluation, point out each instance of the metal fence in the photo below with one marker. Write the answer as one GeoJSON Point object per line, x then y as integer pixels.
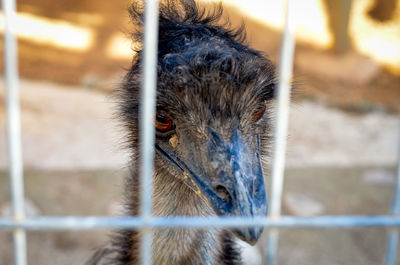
{"type": "Point", "coordinates": [18, 223]}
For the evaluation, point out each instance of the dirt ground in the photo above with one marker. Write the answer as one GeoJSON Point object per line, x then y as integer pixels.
{"type": "Point", "coordinates": [337, 164]}
{"type": "Point", "coordinates": [339, 190]}
{"type": "Point", "coordinates": [68, 127]}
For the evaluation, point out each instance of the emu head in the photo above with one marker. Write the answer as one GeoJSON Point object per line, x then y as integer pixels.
{"type": "Point", "coordinates": [211, 123]}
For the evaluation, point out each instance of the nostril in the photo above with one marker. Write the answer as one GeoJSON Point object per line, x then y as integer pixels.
{"type": "Point", "coordinates": [223, 193]}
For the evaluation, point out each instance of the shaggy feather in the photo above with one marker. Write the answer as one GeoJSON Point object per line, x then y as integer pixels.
{"type": "Point", "coordinates": [207, 77]}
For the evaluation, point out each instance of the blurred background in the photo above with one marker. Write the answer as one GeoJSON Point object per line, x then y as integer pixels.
{"type": "Point", "coordinates": [343, 131]}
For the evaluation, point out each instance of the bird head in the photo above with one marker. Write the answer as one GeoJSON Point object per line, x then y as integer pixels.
{"type": "Point", "coordinates": [212, 126]}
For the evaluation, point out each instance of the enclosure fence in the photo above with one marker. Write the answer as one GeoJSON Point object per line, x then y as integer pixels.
{"type": "Point", "coordinates": [18, 223]}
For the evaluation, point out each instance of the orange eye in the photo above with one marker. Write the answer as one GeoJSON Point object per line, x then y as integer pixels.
{"type": "Point", "coordinates": [260, 112]}
{"type": "Point", "coordinates": [163, 122]}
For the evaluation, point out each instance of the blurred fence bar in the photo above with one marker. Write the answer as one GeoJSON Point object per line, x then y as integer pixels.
{"type": "Point", "coordinates": [147, 114]}
{"type": "Point", "coordinates": [391, 252]}
{"type": "Point", "coordinates": [101, 222]}
{"type": "Point", "coordinates": [282, 114]}
{"type": "Point", "coordinates": [14, 130]}
{"type": "Point", "coordinates": [393, 237]}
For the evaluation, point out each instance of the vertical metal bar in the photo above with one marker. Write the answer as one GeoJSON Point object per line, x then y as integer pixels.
{"type": "Point", "coordinates": [391, 251]}
{"type": "Point", "coordinates": [272, 245]}
{"type": "Point", "coordinates": [396, 200]}
{"type": "Point", "coordinates": [393, 237]}
{"type": "Point", "coordinates": [14, 129]}
{"type": "Point", "coordinates": [148, 96]}
{"type": "Point", "coordinates": [283, 98]}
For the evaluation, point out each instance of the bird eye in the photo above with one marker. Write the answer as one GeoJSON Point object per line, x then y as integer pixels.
{"type": "Point", "coordinates": [163, 122]}
{"type": "Point", "coordinates": [260, 112]}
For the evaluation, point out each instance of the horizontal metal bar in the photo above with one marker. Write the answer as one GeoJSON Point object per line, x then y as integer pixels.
{"type": "Point", "coordinates": [100, 222]}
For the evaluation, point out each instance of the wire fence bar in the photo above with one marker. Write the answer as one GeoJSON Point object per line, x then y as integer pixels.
{"type": "Point", "coordinates": [391, 252]}
{"type": "Point", "coordinates": [396, 200]}
{"type": "Point", "coordinates": [147, 131]}
{"type": "Point", "coordinates": [272, 246]}
{"type": "Point", "coordinates": [283, 97]}
{"type": "Point", "coordinates": [393, 237]}
{"type": "Point", "coordinates": [282, 112]}
{"type": "Point", "coordinates": [14, 130]}
{"type": "Point", "coordinates": [103, 222]}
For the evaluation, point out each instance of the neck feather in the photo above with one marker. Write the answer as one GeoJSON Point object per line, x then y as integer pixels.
{"type": "Point", "coordinates": [177, 246]}
{"type": "Point", "coordinates": [182, 246]}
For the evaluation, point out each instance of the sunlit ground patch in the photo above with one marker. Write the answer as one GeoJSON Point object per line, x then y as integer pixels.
{"type": "Point", "coordinates": [380, 41]}
{"type": "Point", "coordinates": [120, 47]}
{"type": "Point", "coordinates": [54, 32]}
{"type": "Point", "coordinates": [310, 16]}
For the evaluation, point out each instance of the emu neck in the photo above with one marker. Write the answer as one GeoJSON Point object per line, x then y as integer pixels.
{"type": "Point", "coordinates": [182, 246]}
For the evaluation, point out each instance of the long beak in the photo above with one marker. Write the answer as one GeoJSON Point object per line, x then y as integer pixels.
{"type": "Point", "coordinates": [231, 179]}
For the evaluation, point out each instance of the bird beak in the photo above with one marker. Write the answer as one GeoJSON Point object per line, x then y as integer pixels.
{"type": "Point", "coordinates": [229, 175]}
{"type": "Point", "coordinates": [237, 188]}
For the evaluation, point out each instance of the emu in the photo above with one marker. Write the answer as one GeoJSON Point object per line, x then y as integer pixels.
{"type": "Point", "coordinates": [212, 137]}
